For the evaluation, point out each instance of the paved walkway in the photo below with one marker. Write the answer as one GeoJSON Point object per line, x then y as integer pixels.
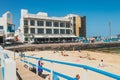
{"type": "Point", "coordinates": [0, 73]}
{"type": "Point", "coordinates": [24, 73]}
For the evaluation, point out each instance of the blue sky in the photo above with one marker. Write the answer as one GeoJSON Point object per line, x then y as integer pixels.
{"type": "Point", "coordinates": [97, 12]}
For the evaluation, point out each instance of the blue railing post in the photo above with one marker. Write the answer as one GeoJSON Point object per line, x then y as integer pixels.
{"type": "Point", "coordinates": [2, 73]}
{"type": "Point", "coordinates": [2, 65]}
{"type": "Point", "coordinates": [52, 70]}
{"type": "Point", "coordinates": [37, 67]}
{"type": "Point", "coordinates": [85, 68]}
{"type": "Point", "coordinates": [28, 64]}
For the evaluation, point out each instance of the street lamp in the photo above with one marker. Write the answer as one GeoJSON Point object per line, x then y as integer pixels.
{"type": "Point", "coordinates": [14, 41]}
{"type": "Point", "coordinates": [110, 29]}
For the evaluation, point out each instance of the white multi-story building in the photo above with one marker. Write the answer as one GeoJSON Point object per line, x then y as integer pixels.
{"type": "Point", "coordinates": [41, 28]}
{"type": "Point", "coordinates": [6, 27]}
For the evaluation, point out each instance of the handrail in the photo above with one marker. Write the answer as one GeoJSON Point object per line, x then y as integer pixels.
{"type": "Point", "coordinates": [48, 70]}
{"type": "Point", "coordinates": [81, 66]}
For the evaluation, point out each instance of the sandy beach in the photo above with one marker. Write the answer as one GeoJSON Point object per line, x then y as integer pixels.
{"type": "Point", "coordinates": [111, 62]}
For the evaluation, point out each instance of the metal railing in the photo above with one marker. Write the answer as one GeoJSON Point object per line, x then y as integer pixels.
{"type": "Point", "coordinates": [85, 67]}
{"type": "Point", "coordinates": [48, 70]}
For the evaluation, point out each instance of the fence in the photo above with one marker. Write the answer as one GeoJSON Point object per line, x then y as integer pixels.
{"type": "Point", "coordinates": [48, 70]}
{"type": "Point", "coordinates": [111, 75]}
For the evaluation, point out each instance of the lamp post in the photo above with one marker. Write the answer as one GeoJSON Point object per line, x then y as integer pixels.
{"type": "Point", "coordinates": [110, 29]}
{"type": "Point", "coordinates": [14, 41]}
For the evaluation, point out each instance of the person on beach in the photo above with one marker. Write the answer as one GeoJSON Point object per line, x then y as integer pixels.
{"type": "Point", "coordinates": [101, 63]}
{"type": "Point", "coordinates": [55, 77]}
{"type": "Point", "coordinates": [79, 50]}
{"type": "Point", "coordinates": [77, 77]}
{"type": "Point", "coordinates": [63, 54]}
{"type": "Point", "coordinates": [48, 77]}
{"type": "Point", "coordinates": [40, 64]}
{"type": "Point", "coordinates": [88, 57]}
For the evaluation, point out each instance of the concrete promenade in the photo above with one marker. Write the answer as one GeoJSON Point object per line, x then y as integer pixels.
{"type": "Point", "coordinates": [22, 72]}
{"type": "Point", "coordinates": [0, 73]}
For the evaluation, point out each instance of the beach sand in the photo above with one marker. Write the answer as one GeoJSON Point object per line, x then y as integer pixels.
{"type": "Point", "coordinates": [111, 62]}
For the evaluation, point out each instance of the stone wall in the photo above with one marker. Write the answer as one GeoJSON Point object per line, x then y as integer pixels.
{"type": "Point", "coordinates": [63, 46]}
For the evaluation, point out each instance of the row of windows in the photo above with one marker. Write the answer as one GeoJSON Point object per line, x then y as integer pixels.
{"type": "Point", "coordinates": [48, 23]}
{"type": "Point", "coordinates": [48, 31]}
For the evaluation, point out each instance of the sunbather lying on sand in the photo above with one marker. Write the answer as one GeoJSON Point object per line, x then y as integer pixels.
{"type": "Point", "coordinates": [63, 54]}
{"type": "Point", "coordinates": [88, 57]}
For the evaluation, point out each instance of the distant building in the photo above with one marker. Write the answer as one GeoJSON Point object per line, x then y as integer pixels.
{"type": "Point", "coordinates": [6, 27]}
{"type": "Point", "coordinates": [79, 25]}
{"type": "Point", "coordinates": [41, 28]}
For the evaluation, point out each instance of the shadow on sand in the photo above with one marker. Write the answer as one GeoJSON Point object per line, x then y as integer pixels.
{"type": "Point", "coordinates": [41, 75]}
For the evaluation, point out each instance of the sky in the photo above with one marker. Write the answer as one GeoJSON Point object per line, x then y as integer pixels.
{"type": "Point", "coordinates": [98, 12]}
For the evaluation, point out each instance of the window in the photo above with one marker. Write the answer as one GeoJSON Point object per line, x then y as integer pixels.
{"type": "Point", "coordinates": [56, 24]}
{"type": "Point", "coordinates": [8, 15]}
{"type": "Point", "coordinates": [1, 27]}
{"type": "Point", "coordinates": [40, 23]}
{"type": "Point", "coordinates": [25, 30]}
{"type": "Point", "coordinates": [10, 28]}
{"type": "Point", "coordinates": [48, 31]}
{"type": "Point", "coordinates": [62, 24]}
{"type": "Point", "coordinates": [62, 31]}
{"type": "Point", "coordinates": [32, 30]}
{"type": "Point", "coordinates": [48, 23]}
{"type": "Point", "coordinates": [67, 24]}
{"type": "Point", "coordinates": [67, 31]}
{"type": "Point", "coordinates": [56, 31]}
{"type": "Point", "coordinates": [25, 22]}
{"type": "Point", "coordinates": [40, 31]}
{"type": "Point", "coordinates": [32, 22]}
{"type": "Point", "coordinates": [26, 38]}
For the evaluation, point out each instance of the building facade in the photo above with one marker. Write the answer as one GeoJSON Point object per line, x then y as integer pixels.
{"type": "Point", "coordinates": [41, 28]}
{"type": "Point", "coordinates": [79, 24]}
{"type": "Point", "coordinates": [7, 28]}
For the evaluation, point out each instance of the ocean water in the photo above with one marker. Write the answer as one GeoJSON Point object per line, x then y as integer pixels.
{"type": "Point", "coordinates": [108, 50]}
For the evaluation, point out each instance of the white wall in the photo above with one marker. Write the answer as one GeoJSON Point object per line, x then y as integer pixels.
{"type": "Point", "coordinates": [10, 69]}
{"type": "Point", "coordinates": [4, 20]}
